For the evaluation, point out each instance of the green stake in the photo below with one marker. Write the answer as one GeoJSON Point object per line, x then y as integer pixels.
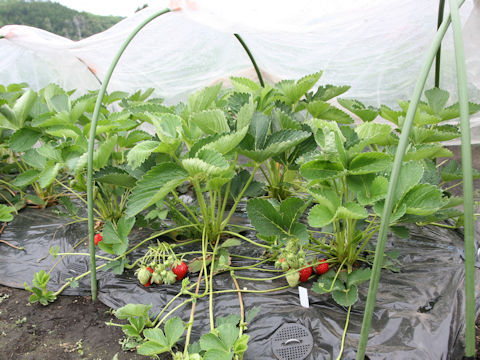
{"type": "Point", "coordinates": [91, 145]}
{"type": "Point", "coordinates": [467, 183]}
{"type": "Point", "coordinates": [402, 146]}
{"type": "Point", "coordinates": [252, 59]}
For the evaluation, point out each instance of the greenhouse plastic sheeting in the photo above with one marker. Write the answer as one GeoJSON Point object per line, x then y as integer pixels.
{"type": "Point", "coordinates": [377, 47]}
{"type": "Point", "coordinates": [419, 312]}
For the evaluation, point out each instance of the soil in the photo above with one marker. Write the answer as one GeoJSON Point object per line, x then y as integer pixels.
{"type": "Point", "coordinates": [73, 327]}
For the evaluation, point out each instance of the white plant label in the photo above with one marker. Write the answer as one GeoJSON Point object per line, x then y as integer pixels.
{"type": "Point", "coordinates": [303, 294]}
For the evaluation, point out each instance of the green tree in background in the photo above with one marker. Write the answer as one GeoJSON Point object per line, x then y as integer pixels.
{"type": "Point", "coordinates": [54, 17]}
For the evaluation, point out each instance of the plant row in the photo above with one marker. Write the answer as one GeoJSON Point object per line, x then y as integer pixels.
{"type": "Point", "coordinates": [314, 181]}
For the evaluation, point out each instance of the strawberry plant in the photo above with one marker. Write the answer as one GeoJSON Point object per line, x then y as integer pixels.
{"type": "Point", "coordinates": [227, 340]}
{"type": "Point", "coordinates": [39, 290]}
{"type": "Point", "coordinates": [315, 184]}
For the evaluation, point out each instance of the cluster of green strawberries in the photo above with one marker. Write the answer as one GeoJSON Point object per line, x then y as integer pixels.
{"type": "Point", "coordinates": [292, 257]}
{"type": "Point", "coordinates": [167, 272]}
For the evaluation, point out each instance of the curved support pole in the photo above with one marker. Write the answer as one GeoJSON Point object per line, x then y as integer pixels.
{"type": "Point", "coordinates": [402, 146]}
{"type": "Point", "coordinates": [441, 8]}
{"type": "Point", "coordinates": [252, 59]}
{"type": "Point", "coordinates": [469, 246]}
{"type": "Point", "coordinates": [91, 145]}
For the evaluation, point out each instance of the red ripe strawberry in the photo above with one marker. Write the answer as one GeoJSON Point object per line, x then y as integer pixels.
{"type": "Point", "coordinates": [180, 269]}
{"type": "Point", "coordinates": [305, 273]}
{"type": "Point", "coordinates": [322, 268]}
{"type": "Point", "coordinates": [98, 237]}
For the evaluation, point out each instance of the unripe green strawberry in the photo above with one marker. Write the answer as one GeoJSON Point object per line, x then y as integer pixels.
{"type": "Point", "coordinates": [157, 278]}
{"type": "Point", "coordinates": [293, 278]}
{"type": "Point", "coordinates": [160, 267]}
{"type": "Point", "coordinates": [144, 275]}
{"type": "Point", "coordinates": [170, 278]}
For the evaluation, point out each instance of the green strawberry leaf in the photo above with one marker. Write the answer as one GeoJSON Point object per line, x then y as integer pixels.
{"type": "Point", "coordinates": [211, 121]}
{"type": "Point", "coordinates": [6, 213]}
{"type": "Point", "coordinates": [259, 126]}
{"type": "Point", "coordinates": [400, 231]}
{"type": "Point", "coordinates": [26, 178]}
{"type": "Point", "coordinates": [423, 199]}
{"type": "Point", "coordinates": [359, 109]}
{"type": "Point", "coordinates": [369, 162]}
{"type": "Point", "coordinates": [129, 310]}
{"type": "Point", "coordinates": [208, 162]}
{"type": "Point", "coordinates": [437, 99]}
{"type": "Point", "coordinates": [22, 107]}
{"type": "Point", "coordinates": [202, 99]}
{"type": "Point", "coordinates": [358, 276]}
{"type": "Point", "coordinates": [211, 341]}
{"type": "Point", "coordinates": [49, 151]}
{"type": "Point", "coordinates": [241, 344]}
{"type": "Point", "coordinates": [217, 354]}
{"type": "Point", "coordinates": [239, 181]}
{"type": "Point", "coordinates": [140, 152]}
{"type": "Point", "coordinates": [230, 319]}
{"type": "Point", "coordinates": [34, 159]}
{"type": "Point", "coordinates": [251, 314]}
{"type": "Point", "coordinates": [328, 92]}
{"type": "Point", "coordinates": [265, 218]}
{"type": "Point", "coordinates": [23, 139]}
{"type": "Point", "coordinates": [244, 85]}
{"type": "Point", "coordinates": [351, 210]}
{"type": "Point", "coordinates": [337, 115]}
{"type": "Point", "coordinates": [373, 133]}
{"type": "Point", "coordinates": [157, 343]}
{"type": "Point", "coordinates": [48, 175]}
{"type": "Point", "coordinates": [346, 297]}
{"type": "Point", "coordinates": [410, 174]}
{"type": "Point", "coordinates": [293, 91]}
{"type": "Point", "coordinates": [275, 144]}
{"type": "Point", "coordinates": [174, 330]}
{"type": "Point", "coordinates": [429, 151]}
{"type": "Point", "coordinates": [453, 111]}
{"type": "Point", "coordinates": [228, 334]}
{"type": "Point", "coordinates": [115, 176]}
{"type": "Point", "coordinates": [154, 186]}
{"type": "Point", "coordinates": [321, 215]}
{"type": "Point", "coordinates": [317, 107]}
{"type": "Point", "coordinates": [115, 238]}
{"type": "Point", "coordinates": [320, 170]}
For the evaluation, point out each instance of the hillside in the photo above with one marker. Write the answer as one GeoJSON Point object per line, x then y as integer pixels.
{"type": "Point", "coordinates": [55, 18]}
